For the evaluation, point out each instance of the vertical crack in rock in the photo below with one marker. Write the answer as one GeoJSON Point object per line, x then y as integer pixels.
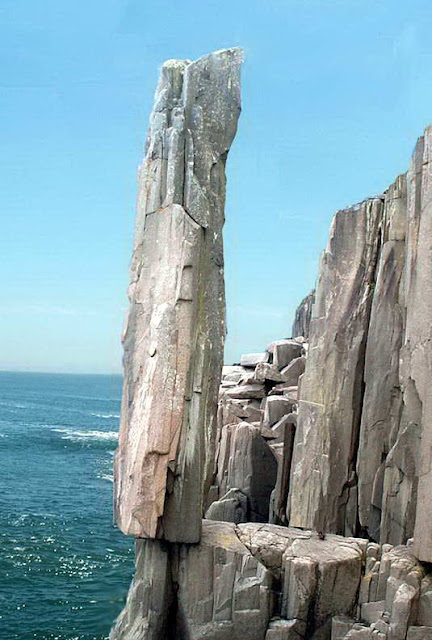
{"type": "Point", "coordinates": [349, 496]}
{"type": "Point", "coordinates": [175, 331]}
{"type": "Point", "coordinates": [382, 400]}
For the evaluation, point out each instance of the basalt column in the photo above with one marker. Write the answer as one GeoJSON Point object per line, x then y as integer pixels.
{"type": "Point", "coordinates": [323, 492]}
{"type": "Point", "coordinates": [173, 342]}
{"type": "Point", "coordinates": [417, 350]}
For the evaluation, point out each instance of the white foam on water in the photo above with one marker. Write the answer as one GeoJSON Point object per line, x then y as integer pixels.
{"type": "Point", "coordinates": [72, 434]}
{"type": "Point", "coordinates": [106, 476]}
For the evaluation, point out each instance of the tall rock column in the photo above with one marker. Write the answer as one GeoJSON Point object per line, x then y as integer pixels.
{"type": "Point", "coordinates": [417, 351]}
{"type": "Point", "coordinates": [382, 406]}
{"type": "Point", "coordinates": [173, 342]}
{"type": "Point", "coordinates": [323, 493]}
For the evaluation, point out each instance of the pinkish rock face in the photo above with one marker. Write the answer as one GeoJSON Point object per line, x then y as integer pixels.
{"type": "Point", "coordinates": [176, 325]}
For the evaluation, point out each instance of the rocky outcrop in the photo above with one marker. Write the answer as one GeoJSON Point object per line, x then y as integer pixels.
{"type": "Point", "coordinates": [417, 349]}
{"type": "Point", "coordinates": [327, 433]}
{"type": "Point", "coordinates": [256, 426]}
{"type": "Point", "coordinates": [394, 598]}
{"type": "Point", "coordinates": [241, 583]}
{"type": "Point", "coordinates": [264, 582]}
{"type": "Point", "coordinates": [361, 461]}
{"type": "Point", "coordinates": [303, 314]}
{"type": "Point", "coordinates": [323, 486]}
{"type": "Point", "coordinates": [175, 330]}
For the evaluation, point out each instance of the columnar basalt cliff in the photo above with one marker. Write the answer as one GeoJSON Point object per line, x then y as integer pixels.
{"type": "Point", "coordinates": [361, 462]}
{"type": "Point", "coordinates": [310, 461]}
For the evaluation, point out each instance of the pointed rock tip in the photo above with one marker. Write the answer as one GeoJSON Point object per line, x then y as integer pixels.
{"type": "Point", "coordinates": [176, 64]}
{"type": "Point", "coordinates": [236, 52]}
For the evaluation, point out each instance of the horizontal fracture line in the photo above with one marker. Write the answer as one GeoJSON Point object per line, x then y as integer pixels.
{"type": "Point", "coordinates": [315, 404]}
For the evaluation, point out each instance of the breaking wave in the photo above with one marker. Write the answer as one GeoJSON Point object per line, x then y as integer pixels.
{"type": "Point", "coordinates": [71, 434]}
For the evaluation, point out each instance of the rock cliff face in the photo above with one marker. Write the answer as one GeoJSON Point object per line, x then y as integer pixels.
{"type": "Point", "coordinates": [361, 462]}
{"type": "Point", "coordinates": [311, 460]}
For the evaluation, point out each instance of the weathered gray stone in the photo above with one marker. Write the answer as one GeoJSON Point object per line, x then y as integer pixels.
{"type": "Point", "coordinates": [382, 397]}
{"type": "Point", "coordinates": [246, 391]}
{"type": "Point", "coordinates": [145, 616]}
{"type": "Point", "coordinates": [175, 330]}
{"type": "Point", "coordinates": [275, 407]}
{"type": "Point", "coordinates": [320, 576]}
{"type": "Point", "coordinates": [252, 359]}
{"type": "Point", "coordinates": [424, 617]}
{"type": "Point", "coordinates": [234, 373]}
{"type": "Point", "coordinates": [340, 627]}
{"type": "Point", "coordinates": [419, 633]}
{"type": "Point", "coordinates": [400, 481]}
{"type": "Point", "coordinates": [338, 570]}
{"type": "Point", "coordinates": [293, 371]}
{"type": "Point", "coordinates": [265, 371]}
{"type": "Point", "coordinates": [303, 316]}
{"type": "Point", "coordinates": [417, 354]}
{"type": "Point", "coordinates": [283, 351]}
{"type": "Point", "coordinates": [232, 507]}
{"type": "Point", "coordinates": [372, 611]}
{"type": "Point", "coordinates": [246, 462]}
{"type": "Point", "coordinates": [278, 429]}
{"type": "Point", "coordinates": [247, 409]}
{"type": "Point", "coordinates": [223, 592]}
{"type": "Point", "coordinates": [278, 508]}
{"type": "Point", "coordinates": [322, 492]}
{"type": "Point", "coordinates": [402, 612]}
{"type": "Point", "coordinates": [288, 391]}
{"type": "Point", "coordinates": [284, 630]}
{"type": "Point", "coordinates": [360, 632]}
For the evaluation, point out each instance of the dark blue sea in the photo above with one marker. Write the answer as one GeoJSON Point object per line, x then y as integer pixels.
{"type": "Point", "coordinates": [64, 568]}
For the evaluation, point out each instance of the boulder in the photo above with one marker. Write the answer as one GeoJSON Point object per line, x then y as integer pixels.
{"type": "Point", "coordinates": [251, 360]}
{"type": "Point", "coordinates": [283, 351]}
{"type": "Point", "coordinates": [232, 507]}
{"type": "Point", "coordinates": [402, 611]}
{"type": "Point", "coordinates": [246, 462]}
{"type": "Point", "coordinates": [292, 372]}
{"type": "Point", "coordinates": [248, 410]}
{"type": "Point", "coordinates": [278, 429]}
{"type": "Point", "coordinates": [275, 407]}
{"type": "Point", "coordinates": [340, 627]}
{"type": "Point", "coordinates": [425, 603]}
{"type": "Point", "coordinates": [265, 371]}
{"type": "Point", "coordinates": [284, 630]}
{"type": "Point", "coordinates": [370, 612]}
{"type": "Point", "coordinates": [246, 391]}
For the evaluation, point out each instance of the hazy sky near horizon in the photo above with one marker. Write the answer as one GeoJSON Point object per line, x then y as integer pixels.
{"type": "Point", "coordinates": [335, 93]}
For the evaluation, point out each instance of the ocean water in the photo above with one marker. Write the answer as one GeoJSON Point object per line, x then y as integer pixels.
{"type": "Point", "coordinates": [64, 568]}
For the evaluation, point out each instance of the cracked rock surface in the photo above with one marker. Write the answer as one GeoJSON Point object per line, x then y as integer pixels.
{"type": "Point", "coordinates": [173, 342]}
{"type": "Point", "coordinates": [327, 435]}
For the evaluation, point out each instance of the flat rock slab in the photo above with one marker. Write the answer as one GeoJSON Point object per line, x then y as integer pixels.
{"type": "Point", "coordinates": [284, 351]}
{"type": "Point", "coordinates": [252, 359]}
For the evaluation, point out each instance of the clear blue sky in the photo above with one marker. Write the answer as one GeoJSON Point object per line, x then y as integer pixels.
{"type": "Point", "coordinates": [334, 95]}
